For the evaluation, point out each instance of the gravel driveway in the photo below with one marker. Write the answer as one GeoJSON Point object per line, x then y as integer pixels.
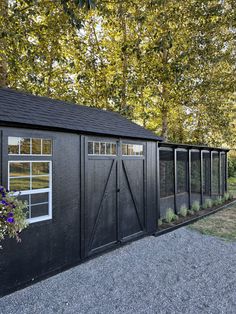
{"type": "Point", "coordinates": [180, 272]}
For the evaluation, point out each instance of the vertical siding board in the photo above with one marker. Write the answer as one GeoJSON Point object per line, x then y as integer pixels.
{"type": "Point", "coordinates": [158, 182]}
{"type": "Point", "coordinates": [82, 194]}
{"type": "Point", "coordinates": [0, 157]}
{"type": "Point", "coordinates": [151, 188]}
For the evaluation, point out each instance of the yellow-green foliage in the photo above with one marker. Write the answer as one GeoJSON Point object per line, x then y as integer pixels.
{"type": "Point", "coordinates": [226, 196]}
{"type": "Point", "coordinates": [183, 211]}
{"type": "Point", "coordinates": [195, 206]}
{"type": "Point", "coordinates": [208, 203]}
{"type": "Point", "coordinates": [140, 60]}
{"type": "Point", "coordinates": [170, 215]}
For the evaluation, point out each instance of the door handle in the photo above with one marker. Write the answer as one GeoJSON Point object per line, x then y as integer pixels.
{"type": "Point", "coordinates": [118, 190]}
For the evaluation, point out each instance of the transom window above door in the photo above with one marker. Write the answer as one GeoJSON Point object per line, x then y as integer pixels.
{"type": "Point", "coordinates": [102, 148]}
{"type": "Point", "coordinates": [132, 149]}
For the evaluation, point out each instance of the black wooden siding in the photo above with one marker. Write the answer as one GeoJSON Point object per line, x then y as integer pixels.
{"type": "Point", "coordinates": [99, 202]}
{"type": "Point", "coordinates": [48, 245]}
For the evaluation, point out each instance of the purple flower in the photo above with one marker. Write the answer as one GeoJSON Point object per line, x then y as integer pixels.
{"type": "Point", "coordinates": [10, 214]}
{"type": "Point", "coordinates": [10, 220]}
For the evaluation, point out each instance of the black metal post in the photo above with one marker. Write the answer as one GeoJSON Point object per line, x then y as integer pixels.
{"type": "Point", "coordinates": [201, 175]}
{"type": "Point", "coordinates": [220, 176]}
{"type": "Point", "coordinates": [189, 178]}
{"type": "Point", "coordinates": [158, 180]}
{"type": "Point", "coordinates": [175, 180]}
{"type": "Point", "coordinates": [226, 172]}
{"type": "Point", "coordinates": [211, 174]}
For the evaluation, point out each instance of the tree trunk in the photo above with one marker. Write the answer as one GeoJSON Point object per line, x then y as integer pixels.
{"type": "Point", "coordinates": [3, 60]}
{"type": "Point", "coordinates": [164, 116]}
{"type": "Point", "coordinates": [123, 104]}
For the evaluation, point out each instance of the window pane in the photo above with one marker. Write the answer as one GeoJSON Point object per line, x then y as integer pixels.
{"type": "Point", "coordinates": [39, 198]}
{"type": "Point", "coordinates": [166, 173]}
{"type": "Point", "coordinates": [19, 184]}
{"type": "Point", "coordinates": [90, 148]}
{"type": "Point", "coordinates": [113, 149]}
{"type": "Point", "coordinates": [39, 210]}
{"type": "Point", "coordinates": [47, 147]}
{"type": "Point", "coordinates": [96, 148]}
{"type": "Point", "coordinates": [39, 168]}
{"type": "Point", "coordinates": [108, 149]}
{"type": "Point", "coordinates": [25, 146]}
{"type": "Point", "coordinates": [131, 149]}
{"type": "Point", "coordinates": [103, 148]}
{"type": "Point", "coordinates": [36, 146]}
{"type": "Point", "coordinates": [138, 149]}
{"type": "Point", "coordinates": [124, 149]}
{"type": "Point", "coordinates": [40, 182]}
{"type": "Point", "coordinates": [195, 172]}
{"type": "Point", "coordinates": [13, 145]}
{"type": "Point", "coordinates": [19, 169]}
{"type": "Point", "coordinates": [24, 198]}
{"type": "Point", "coordinates": [215, 173]}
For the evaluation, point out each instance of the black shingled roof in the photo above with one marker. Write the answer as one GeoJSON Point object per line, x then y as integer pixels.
{"type": "Point", "coordinates": [26, 109]}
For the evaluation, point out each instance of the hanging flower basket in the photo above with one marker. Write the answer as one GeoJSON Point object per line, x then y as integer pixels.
{"type": "Point", "coordinates": [12, 215]}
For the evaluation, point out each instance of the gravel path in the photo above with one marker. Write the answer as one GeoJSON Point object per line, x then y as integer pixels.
{"type": "Point", "coordinates": [180, 272]}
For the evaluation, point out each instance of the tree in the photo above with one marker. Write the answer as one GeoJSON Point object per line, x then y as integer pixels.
{"type": "Point", "coordinates": [168, 65]}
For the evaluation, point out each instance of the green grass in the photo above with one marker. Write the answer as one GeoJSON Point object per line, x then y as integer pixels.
{"type": "Point", "coordinates": [221, 224]}
{"type": "Point", "coordinates": [232, 185]}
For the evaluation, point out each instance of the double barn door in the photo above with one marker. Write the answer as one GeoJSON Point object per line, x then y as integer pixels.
{"type": "Point", "coordinates": [114, 192]}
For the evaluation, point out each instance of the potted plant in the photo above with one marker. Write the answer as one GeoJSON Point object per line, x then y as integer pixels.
{"type": "Point", "coordinates": [12, 215]}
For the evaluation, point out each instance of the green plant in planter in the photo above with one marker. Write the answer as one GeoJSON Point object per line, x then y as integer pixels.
{"type": "Point", "coordinates": [226, 196]}
{"type": "Point", "coordinates": [195, 206]}
{"type": "Point", "coordinates": [183, 211]}
{"type": "Point", "coordinates": [231, 195]}
{"type": "Point", "coordinates": [170, 215]}
{"type": "Point", "coordinates": [208, 203]}
{"type": "Point", "coordinates": [12, 215]}
{"type": "Point", "coordinates": [218, 201]}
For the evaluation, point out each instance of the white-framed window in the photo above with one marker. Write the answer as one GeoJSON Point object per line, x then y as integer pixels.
{"type": "Point", "coordinates": [132, 149]}
{"type": "Point", "coordinates": [26, 146]}
{"type": "Point", "coordinates": [33, 179]}
{"type": "Point", "coordinates": [102, 148]}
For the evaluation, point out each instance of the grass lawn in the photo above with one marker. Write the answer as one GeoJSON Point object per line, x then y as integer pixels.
{"type": "Point", "coordinates": [232, 185]}
{"type": "Point", "coordinates": [221, 224]}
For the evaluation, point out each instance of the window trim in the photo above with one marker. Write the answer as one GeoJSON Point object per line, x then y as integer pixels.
{"type": "Point", "coordinates": [102, 155]}
{"type": "Point", "coordinates": [35, 191]}
{"type": "Point", "coordinates": [134, 144]}
{"type": "Point", "coordinates": [31, 138]}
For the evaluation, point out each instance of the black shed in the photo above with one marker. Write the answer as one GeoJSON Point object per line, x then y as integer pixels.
{"type": "Point", "coordinates": [92, 179]}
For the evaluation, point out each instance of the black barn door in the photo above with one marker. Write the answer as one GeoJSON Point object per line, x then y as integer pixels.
{"type": "Point", "coordinates": [101, 165]}
{"type": "Point", "coordinates": [132, 196]}
{"type": "Point", "coordinates": [114, 207]}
